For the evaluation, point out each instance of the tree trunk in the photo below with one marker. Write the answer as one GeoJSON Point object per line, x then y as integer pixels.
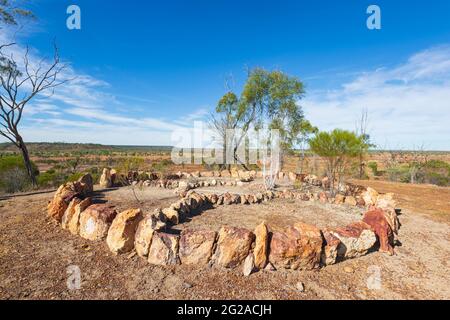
{"type": "Point", "coordinates": [27, 161]}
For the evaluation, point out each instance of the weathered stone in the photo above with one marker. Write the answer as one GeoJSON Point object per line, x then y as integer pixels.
{"type": "Point", "coordinates": [122, 232]}
{"type": "Point", "coordinates": [356, 239]}
{"type": "Point", "coordinates": [370, 196]}
{"type": "Point", "coordinates": [376, 219]}
{"type": "Point", "coordinates": [261, 249]}
{"type": "Point", "coordinates": [292, 176]}
{"type": "Point", "coordinates": [70, 211]}
{"type": "Point", "coordinates": [196, 247]}
{"type": "Point", "coordinates": [351, 201]}
{"type": "Point", "coordinates": [225, 174]}
{"type": "Point", "coordinates": [105, 179]}
{"type": "Point", "coordinates": [171, 215]}
{"type": "Point", "coordinates": [360, 202]}
{"type": "Point", "coordinates": [249, 265]}
{"type": "Point", "coordinates": [281, 175]}
{"type": "Point", "coordinates": [323, 197]}
{"type": "Point", "coordinates": [96, 220]}
{"type": "Point", "coordinates": [233, 246]}
{"type": "Point", "coordinates": [325, 183]}
{"type": "Point", "coordinates": [56, 208]}
{"type": "Point", "coordinates": [144, 233]}
{"type": "Point", "coordinates": [73, 224]}
{"type": "Point", "coordinates": [87, 184]}
{"type": "Point", "coordinates": [330, 249]}
{"type": "Point", "coordinates": [299, 247]}
{"type": "Point", "coordinates": [339, 199]}
{"type": "Point", "coordinates": [164, 249]}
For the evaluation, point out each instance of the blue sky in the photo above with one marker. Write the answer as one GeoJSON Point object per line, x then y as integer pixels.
{"type": "Point", "coordinates": [146, 68]}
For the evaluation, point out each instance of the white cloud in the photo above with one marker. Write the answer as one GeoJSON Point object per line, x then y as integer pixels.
{"type": "Point", "coordinates": [408, 105]}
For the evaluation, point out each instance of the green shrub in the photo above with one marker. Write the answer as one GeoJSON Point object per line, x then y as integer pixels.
{"type": "Point", "coordinates": [373, 166]}
{"type": "Point", "coordinates": [13, 174]}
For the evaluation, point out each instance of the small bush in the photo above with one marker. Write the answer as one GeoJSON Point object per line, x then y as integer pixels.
{"type": "Point", "coordinates": [373, 166]}
{"type": "Point", "coordinates": [13, 174]}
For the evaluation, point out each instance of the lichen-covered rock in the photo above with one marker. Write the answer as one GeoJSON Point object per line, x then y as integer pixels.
{"type": "Point", "coordinates": [121, 234]}
{"type": "Point", "coordinates": [356, 239]}
{"type": "Point", "coordinates": [196, 247]}
{"type": "Point", "coordinates": [376, 219]}
{"type": "Point", "coordinates": [70, 211]}
{"type": "Point", "coordinates": [261, 249]}
{"type": "Point", "coordinates": [299, 247]}
{"type": "Point", "coordinates": [164, 249]}
{"type": "Point", "coordinates": [330, 248]}
{"type": "Point", "coordinates": [144, 233]}
{"type": "Point", "coordinates": [96, 220]}
{"type": "Point", "coordinates": [73, 221]}
{"type": "Point", "coordinates": [233, 246]}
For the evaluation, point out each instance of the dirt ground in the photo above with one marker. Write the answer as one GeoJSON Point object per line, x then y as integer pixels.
{"type": "Point", "coordinates": [35, 255]}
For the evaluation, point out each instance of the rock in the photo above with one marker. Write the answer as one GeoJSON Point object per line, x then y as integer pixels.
{"type": "Point", "coordinates": [387, 203]}
{"type": "Point", "coordinates": [87, 184]}
{"type": "Point", "coordinates": [299, 247]}
{"type": "Point", "coordinates": [370, 196]}
{"type": "Point", "coordinates": [63, 196]}
{"type": "Point", "coordinates": [249, 265]}
{"type": "Point", "coordinates": [339, 199]}
{"type": "Point", "coordinates": [233, 246]}
{"type": "Point", "coordinates": [122, 232]}
{"type": "Point", "coordinates": [171, 215]}
{"type": "Point", "coordinates": [244, 199]}
{"type": "Point", "coordinates": [225, 174]}
{"type": "Point", "coordinates": [326, 183]}
{"type": "Point", "coordinates": [213, 182]}
{"type": "Point", "coordinates": [105, 179]}
{"type": "Point", "coordinates": [330, 249]}
{"type": "Point", "coordinates": [196, 247]}
{"type": "Point", "coordinates": [164, 249]}
{"type": "Point", "coordinates": [292, 176]}
{"type": "Point", "coordinates": [245, 176]}
{"type": "Point", "coordinates": [360, 202]}
{"type": "Point", "coordinates": [96, 220]}
{"type": "Point", "coordinates": [144, 233]}
{"type": "Point", "coordinates": [56, 208]}
{"type": "Point", "coordinates": [376, 219]}
{"type": "Point", "coordinates": [356, 239]}
{"type": "Point", "coordinates": [73, 221]}
{"type": "Point", "coordinates": [281, 175]}
{"type": "Point", "coordinates": [323, 197]}
{"type": "Point", "coordinates": [70, 211]}
{"type": "Point", "coordinates": [261, 245]}
{"type": "Point", "coordinates": [300, 287]}
{"type": "Point", "coordinates": [351, 201]}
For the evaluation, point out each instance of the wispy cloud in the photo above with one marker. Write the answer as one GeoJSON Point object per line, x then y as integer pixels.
{"type": "Point", "coordinates": [408, 104]}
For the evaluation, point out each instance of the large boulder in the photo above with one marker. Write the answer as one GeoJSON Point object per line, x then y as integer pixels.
{"type": "Point", "coordinates": [387, 203]}
{"type": "Point", "coordinates": [376, 219]}
{"type": "Point", "coordinates": [356, 239]}
{"type": "Point", "coordinates": [164, 249]}
{"type": "Point", "coordinates": [73, 217]}
{"type": "Point", "coordinates": [196, 247]}
{"type": "Point", "coordinates": [144, 233]}
{"type": "Point", "coordinates": [298, 247]}
{"type": "Point", "coordinates": [87, 184]}
{"type": "Point", "coordinates": [106, 179]}
{"type": "Point", "coordinates": [171, 215]}
{"type": "Point", "coordinates": [233, 246]}
{"type": "Point", "coordinates": [261, 249]}
{"type": "Point", "coordinates": [62, 198]}
{"type": "Point", "coordinates": [121, 234]}
{"type": "Point", "coordinates": [96, 220]}
{"type": "Point", "coordinates": [370, 196]}
{"type": "Point", "coordinates": [69, 213]}
{"type": "Point", "coordinates": [330, 248]}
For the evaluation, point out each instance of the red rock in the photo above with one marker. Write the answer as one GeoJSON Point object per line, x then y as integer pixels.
{"type": "Point", "coordinates": [330, 249]}
{"type": "Point", "coordinates": [196, 247]}
{"type": "Point", "coordinates": [299, 247]}
{"type": "Point", "coordinates": [96, 220]}
{"type": "Point", "coordinates": [377, 221]}
{"type": "Point", "coordinates": [233, 246]}
{"type": "Point", "coordinates": [164, 249]}
{"type": "Point", "coordinates": [357, 239]}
